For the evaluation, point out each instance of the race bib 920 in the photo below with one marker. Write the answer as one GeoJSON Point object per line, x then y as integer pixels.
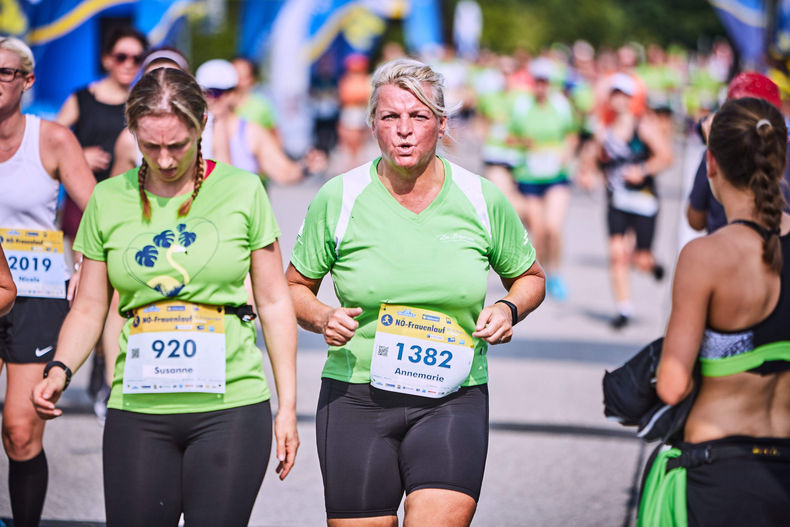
{"type": "Point", "coordinates": [176, 347]}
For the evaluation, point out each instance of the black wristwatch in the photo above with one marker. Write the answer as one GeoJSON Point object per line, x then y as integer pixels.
{"type": "Point", "coordinates": [53, 363]}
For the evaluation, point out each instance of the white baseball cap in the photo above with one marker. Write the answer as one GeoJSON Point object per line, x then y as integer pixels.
{"type": "Point", "coordinates": [217, 74]}
{"type": "Point", "coordinates": [541, 68]}
{"type": "Point", "coordinates": [623, 83]}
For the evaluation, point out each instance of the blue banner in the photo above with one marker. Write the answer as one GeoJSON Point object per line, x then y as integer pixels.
{"type": "Point", "coordinates": [423, 26]}
{"type": "Point", "coordinates": [745, 22]}
{"type": "Point", "coordinates": [65, 36]}
{"type": "Point", "coordinates": [256, 18]}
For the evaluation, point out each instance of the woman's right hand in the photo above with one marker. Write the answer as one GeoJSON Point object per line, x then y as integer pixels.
{"type": "Point", "coordinates": [339, 325]}
{"type": "Point", "coordinates": [96, 158]}
{"type": "Point", "coordinates": [47, 392]}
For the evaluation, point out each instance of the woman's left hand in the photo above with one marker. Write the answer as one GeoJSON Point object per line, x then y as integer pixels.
{"type": "Point", "coordinates": [495, 325]}
{"type": "Point", "coordinates": [287, 439]}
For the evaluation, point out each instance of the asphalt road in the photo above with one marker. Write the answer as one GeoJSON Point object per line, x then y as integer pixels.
{"type": "Point", "coordinates": [553, 458]}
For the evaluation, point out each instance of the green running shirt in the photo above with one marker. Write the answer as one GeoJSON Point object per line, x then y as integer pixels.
{"type": "Point", "coordinates": [230, 217]}
{"type": "Point", "coordinates": [546, 126]}
{"type": "Point", "coordinates": [378, 251]}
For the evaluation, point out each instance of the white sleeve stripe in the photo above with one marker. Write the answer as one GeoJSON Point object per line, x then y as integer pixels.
{"type": "Point", "coordinates": [354, 182]}
{"type": "Point", "coordinates": [472, 187]}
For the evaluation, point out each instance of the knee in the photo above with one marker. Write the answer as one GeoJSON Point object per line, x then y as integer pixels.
{"type": "Point", "coordinates": [21, 440]}
{"type": "Point", "coordinates": [553, 233]}
{"type": "Point", "coordinates": [537, 232]}
{"type": "Point", "coordinates": [618, 257]}
{"type": "Point", "coordinates": [643, 261]}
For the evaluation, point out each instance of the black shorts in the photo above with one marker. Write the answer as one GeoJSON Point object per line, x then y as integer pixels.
{"type": "Point", "coordinates": [539, 190]}
{"type": "Point", "coordinates": [29, 333]}
{"type": "Point", "coordinates": [373, 445]}
{"type": "Point", "coordinates": [644, 227]}
{"type": "Point", "coordinates": [752, 491]}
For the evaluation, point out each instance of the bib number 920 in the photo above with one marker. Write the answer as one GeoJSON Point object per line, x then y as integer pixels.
{"type": "Point", "coordinates": [174, 348]}
{"type": "Point", "coordinates": [428, 356]}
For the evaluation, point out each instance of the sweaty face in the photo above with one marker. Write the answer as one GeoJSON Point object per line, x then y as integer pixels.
{"type": "Point", "coordinates": [11, 92]}
{"type": "Point", "coordinates": [168, 145]}
{"type": "Point", "coordinates": [406, 130]}
{"type": "Point", "coordinates": [123, 62]}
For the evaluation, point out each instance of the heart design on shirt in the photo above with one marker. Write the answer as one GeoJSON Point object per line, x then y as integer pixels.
{"type": "Point", "coordinates": [168, 260]}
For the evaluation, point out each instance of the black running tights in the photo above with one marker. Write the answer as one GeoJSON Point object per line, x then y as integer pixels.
{"type": "Point", "coordinates": [208, 465]}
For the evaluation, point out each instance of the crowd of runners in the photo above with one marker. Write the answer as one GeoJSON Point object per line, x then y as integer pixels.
{"type": "Point", "coordinates": [168, 252]}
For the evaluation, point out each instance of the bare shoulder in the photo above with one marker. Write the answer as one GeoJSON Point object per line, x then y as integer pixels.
{"type": "Point", "coordinates": [55, 135]}
{"type": "Point", "coordinates": [125, 142]}
{"type": "Point", "coordinates": [259, 135]}
{"type": "Point", "coordinates": [702, 257]}
{"type": "Point", "coordinates": [57, 143]}
{"type": "Point", "coordinates": [69, 112]}
{"type": "Point", "coordinates": [649, 127]}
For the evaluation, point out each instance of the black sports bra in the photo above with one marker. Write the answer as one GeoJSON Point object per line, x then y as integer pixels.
{"type": "Point", "coordinates": [764, 347]}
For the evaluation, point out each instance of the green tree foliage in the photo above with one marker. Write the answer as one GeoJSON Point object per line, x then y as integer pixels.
{"type": "Point", "coordinates": [535, 24]}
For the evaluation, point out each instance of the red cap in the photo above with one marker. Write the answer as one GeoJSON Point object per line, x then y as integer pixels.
{"type": "Point", "coordinates": [753, 84]}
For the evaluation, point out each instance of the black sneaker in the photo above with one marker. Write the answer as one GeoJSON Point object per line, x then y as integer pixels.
{"type": "Point", "coordinates": [619, 322]}
{"type": "Point", "coordinates": [658, 272]}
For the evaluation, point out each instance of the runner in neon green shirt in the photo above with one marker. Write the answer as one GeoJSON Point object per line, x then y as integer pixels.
{"type": "Point", "coordinates": [202, 257]}
{"type": "Point", "coordinates": [409, 240]}
{"type": "Point", "coordinates": [543, 125]}
{"type": "Point", "coordinates": [189, 426]}
{"type": "Point", "coordinates": [454, 229]}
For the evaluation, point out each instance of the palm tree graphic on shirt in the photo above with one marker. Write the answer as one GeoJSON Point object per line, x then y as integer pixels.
{"type": "Point", "coordinates": [165, 284]}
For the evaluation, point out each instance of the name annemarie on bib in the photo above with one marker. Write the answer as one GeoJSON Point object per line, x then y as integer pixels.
{"type": "Point", "coordinates": [419, 352]}
{"type": "Point", "coordinates": [176, 346]}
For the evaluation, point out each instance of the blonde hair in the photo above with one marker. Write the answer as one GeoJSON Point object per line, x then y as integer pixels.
{"type": "Point", "coordinates": [167, 91]}
{"type": "Point", "coordinates": [410, 75]}
{"type": "Point", "coordinates": [22, 50]}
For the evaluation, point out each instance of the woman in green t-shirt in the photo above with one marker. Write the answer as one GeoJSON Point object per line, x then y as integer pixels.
{"type": "Point", "coordinates": [188, 426]}
{"type": "Point", "coordinates": [409, 239]}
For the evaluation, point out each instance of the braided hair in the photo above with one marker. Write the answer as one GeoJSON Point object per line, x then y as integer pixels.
{"type": "Point", "coordinates": [748, 139]}
{"type": "Point", "coordinates": [167, 91]}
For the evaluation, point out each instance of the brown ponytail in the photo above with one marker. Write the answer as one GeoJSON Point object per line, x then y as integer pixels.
{"type": "Point", "coordinates": [142, 173]}
{"type": "Point", "coordinates": [748, 139]}
{"type": "Point", "coordinates": [183, 210]}
{"type": "Point", "coordinates": [768, 198]}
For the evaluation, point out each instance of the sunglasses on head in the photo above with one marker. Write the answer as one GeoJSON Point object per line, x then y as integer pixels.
{"type": "Point", "coordinates": [216, 93]}
{"type": "Point", "coordinates": [120, 58]}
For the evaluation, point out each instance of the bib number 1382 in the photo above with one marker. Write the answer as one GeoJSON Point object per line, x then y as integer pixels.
{"type": "Point", "coordinates": [428, 356]}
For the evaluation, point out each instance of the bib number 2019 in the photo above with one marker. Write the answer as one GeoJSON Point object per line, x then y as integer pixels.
{"type": "Point", "coordinates": [24, 263]}
{"type": "Point", "coordinates": [174, 348]}
{"type": "Point", "coordinates": [428, 356]}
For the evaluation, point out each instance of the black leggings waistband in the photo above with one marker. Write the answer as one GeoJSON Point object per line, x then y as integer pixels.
{"type": "Point", "coordinates": [697, 454]}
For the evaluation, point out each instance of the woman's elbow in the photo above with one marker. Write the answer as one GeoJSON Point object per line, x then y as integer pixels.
{"type": "Point", "coordinates": [671, 392]}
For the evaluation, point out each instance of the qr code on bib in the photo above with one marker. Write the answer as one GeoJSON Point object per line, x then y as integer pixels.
{"type": "Point", "coordinates": [382, 351]}
{"type": "Point", "coordinates": [135, 353]}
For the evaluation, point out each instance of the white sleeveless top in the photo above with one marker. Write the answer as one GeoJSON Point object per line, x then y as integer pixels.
{"type": "Point", "coordinates": [29, 195]}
